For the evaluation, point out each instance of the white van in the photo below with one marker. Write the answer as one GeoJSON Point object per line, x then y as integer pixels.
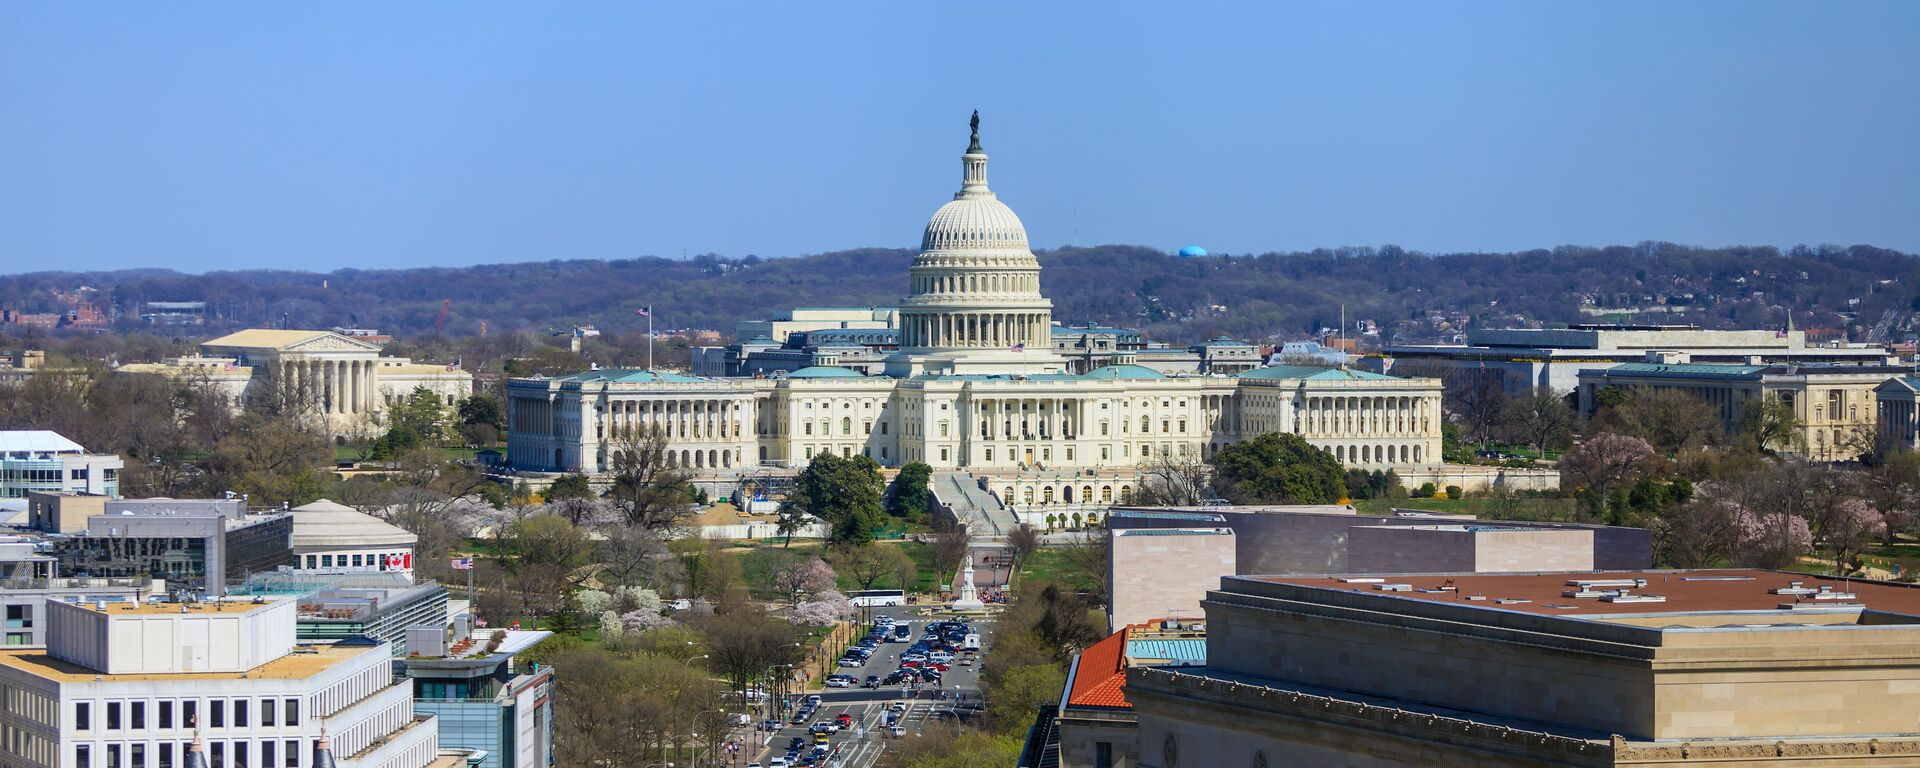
{"type": "Point", "coordinates": [940, 657]}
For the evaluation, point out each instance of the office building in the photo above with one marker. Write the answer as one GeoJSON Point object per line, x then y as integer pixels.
{"type": "Point", "coordinates": [1638, 668]}
{"type": "Point", "coordinates": [198, 545]}
{"type": "Point", "coordinates": [1164, 560]}
{"type": "Point", "coordinates": [141, 684]}
{"type": "Point", "coordinates": [332, 538]}
{"type": "Point", "coordinates": [483, 696]}
{"type": "Point", "coordinates": [1833, 406]}
{"type": "Point", "coordinates": [40, 460]}
{"type": "Point", "coordinates": [1093, 725]}
{"type": "Point", "coordinates": [1523, 359]}
{"type": "Point", "coordinates": [28, 579]}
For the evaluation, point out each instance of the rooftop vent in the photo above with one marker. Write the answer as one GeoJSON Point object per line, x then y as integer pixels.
{"type": "Point", "coordinates": [1394, 587]}
{"type": "Point", "coordinates": [1600, 583]}
{"type": "Point", "coordinates": [1626, 598]}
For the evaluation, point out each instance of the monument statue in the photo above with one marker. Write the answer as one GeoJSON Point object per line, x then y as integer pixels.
{"type": "Point", "coordinates": [969, 598]}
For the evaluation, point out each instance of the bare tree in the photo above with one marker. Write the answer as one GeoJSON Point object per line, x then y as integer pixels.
{"type": "Point", "coordinates": [1023, 540]}
{"type": "Point", "coordinates": [1542, 418]}
{"type": "Point", "coordinates": [1605, 461]}
{"type": "Point", "coordinates": [949, 546]}
{"type": "Point", "coordinates": [1090, 556]}
{"type": "Point", "coordinates": [1174, 481]}
{"type": "Point", "coordinates": [648, 491]}
{"type": "Point", "coordinates": [1670, 420]}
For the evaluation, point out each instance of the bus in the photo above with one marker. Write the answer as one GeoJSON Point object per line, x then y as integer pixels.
{"type": "Point", "coordinates": [877, 597]}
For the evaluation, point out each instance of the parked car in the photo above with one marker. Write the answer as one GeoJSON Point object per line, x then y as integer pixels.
{"type": "Point", "coordinates": [873, 681]}
{"type": "Point", "coordinates": [844, 719]}
{"type": "Point", "coordinates": [840, 681]}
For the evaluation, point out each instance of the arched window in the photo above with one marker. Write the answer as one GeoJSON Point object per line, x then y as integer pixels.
{"type": "Point", "coordinates": [846, 426]}
{"type": "Point", "coordinates": [1026, 494]}
{"type": "Point", "coordinates": [1046, 494]}
{"type": "Point", "coordinates": [1007, 496]}
{"type": "Point", "coordinates": [1106, 494]}
{"type": "Point", "coordinates": [1086, 494]}
{"type": "Point", "coordinates": [763, 454]}
{"type": "Point", "coordinates": [1126, 494]}
{"type": "Point", "coordinates": [713, 458]}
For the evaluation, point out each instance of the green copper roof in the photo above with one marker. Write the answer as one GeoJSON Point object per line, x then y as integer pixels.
{"type": "Point", "coordinates": [628, 376]}
{"type": "Point", "coordinates": [825, 372]}
{"type": "Point", "coordinates": [1687, 370]}
{"type": "Point", "coordinates": [1124, 372]}
{"type": "Point", "coordinates": [1314, 372]}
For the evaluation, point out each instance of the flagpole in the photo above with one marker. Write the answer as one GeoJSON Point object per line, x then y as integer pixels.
{"type": "Point", "coordinates": [649, 338]}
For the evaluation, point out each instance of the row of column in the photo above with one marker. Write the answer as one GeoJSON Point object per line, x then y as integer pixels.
{"type": "Point", "coordinates": [1025, 283]}
{"type": "Point", "coordinates": [977, 329]}
{"type": "Point", "coordinates": [682, 418]}
{"type": "Point", "coordinates": [1365, 415]}
{"type": "Point", "coordinates": [1045, 418]}
{"type": "Point", "coordinates": [336, 386]}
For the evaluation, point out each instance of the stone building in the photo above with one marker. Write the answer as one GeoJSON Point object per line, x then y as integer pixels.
{"type": "Point", "coordinates": [1834, 405]}
{"type": "Point", "coordinates": [1647, 668]}
{"type": "Point", "coordinates": [978, 384]}
{"type": "Point", "coordinates": [1523, 359]}
{"type": "Point", "coordinates": [344, 380]}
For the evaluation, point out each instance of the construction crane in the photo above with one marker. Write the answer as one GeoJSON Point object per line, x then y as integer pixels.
{"type": "Point", "coordinates": [440, 323]}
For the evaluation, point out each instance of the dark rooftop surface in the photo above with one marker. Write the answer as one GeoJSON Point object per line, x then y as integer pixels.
{"type": "Point", "coordinates": [1695, 591]}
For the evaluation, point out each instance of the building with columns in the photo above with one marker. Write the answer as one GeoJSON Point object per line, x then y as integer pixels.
{"type": "Point", "coordinates": [977, 385]}
{"type": "Point", "coordinates": [341, 378]}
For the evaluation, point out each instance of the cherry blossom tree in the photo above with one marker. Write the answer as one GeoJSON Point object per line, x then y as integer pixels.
{"type": "Point", "coordinates": [804, 579]}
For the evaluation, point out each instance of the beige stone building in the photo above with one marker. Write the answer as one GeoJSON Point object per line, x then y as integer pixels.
{"type": "Point", "coordinates": [977, 387]}
{"type": "Point", "coordinates": [1660, 668]}
{"type": "Point", "coordinates": [1834, 404]}
{"type": "Point", "coordinates": [1897, 411]}
{"type": "Point", "coordinates": [343, 379]}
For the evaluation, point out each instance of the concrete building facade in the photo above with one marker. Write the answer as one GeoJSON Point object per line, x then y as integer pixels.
{"type": "Point", "coordinates": [39, 460]}
{"type": "Point", "coordinates": [1679, 668]}
{"type": "Point", "coordinates": [1529, 358]}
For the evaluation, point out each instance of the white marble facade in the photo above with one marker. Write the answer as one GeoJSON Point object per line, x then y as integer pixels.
{"type": "Point", "coordinates": [975, 386]}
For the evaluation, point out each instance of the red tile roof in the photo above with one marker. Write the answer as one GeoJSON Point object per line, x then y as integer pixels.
{"type": "Point", "coordinates": [1101, 674]}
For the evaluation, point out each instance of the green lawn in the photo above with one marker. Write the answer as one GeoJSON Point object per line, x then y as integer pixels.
{"type": "Point", "coordinates": [1052, 564]}
{"type": "Point", "coordinates": [456, 453]}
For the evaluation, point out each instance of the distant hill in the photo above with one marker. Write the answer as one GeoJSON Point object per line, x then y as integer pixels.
{"type": "Point", "coordinates": [1860, 290]}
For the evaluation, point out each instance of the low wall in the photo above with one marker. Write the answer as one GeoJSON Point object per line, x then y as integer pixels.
{"type": "Point", "coordinates": [1475, 478]}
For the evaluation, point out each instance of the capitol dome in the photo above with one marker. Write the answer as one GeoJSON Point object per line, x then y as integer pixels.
{"type": "Point", "coordinates": [974, 222]}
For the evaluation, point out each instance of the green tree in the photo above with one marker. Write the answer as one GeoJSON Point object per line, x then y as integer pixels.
{"type": "Point", "coordinates": [415, 420]}
{"type": "Point", "coordinates": [1277, 468]}
{"type": "Point", "coordinates": [1770, 424]}
{"type": "Point", "coordinates": [569, 486]}
{"type": "Point", "coordinates": [910, 494]}
{"type": "Point", "coordinates": [844, 492]}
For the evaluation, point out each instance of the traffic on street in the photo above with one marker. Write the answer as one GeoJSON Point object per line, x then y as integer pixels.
{"type": "Point", "coordinates": [903, 677]}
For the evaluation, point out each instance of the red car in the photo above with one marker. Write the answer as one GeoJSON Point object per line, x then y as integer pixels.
{"type": "Point", "coordinates": [938, 666]}
{"type": "Point", "coordinates": [844, 719]}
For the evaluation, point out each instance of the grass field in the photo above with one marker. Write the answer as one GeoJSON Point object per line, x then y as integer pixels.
{"type": "Point", "coordinates": [1052, 564]}
{"type": "Point", "coordinates": [352, 452]}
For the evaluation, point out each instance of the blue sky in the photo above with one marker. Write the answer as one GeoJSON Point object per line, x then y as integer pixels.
{"type": "Point", "coordinates": [325, 135]}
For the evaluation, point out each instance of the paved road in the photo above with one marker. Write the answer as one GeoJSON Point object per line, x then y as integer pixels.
{"type": "Point", "coordinates": [861, 745]}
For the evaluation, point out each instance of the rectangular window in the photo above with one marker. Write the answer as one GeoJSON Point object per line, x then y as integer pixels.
{"type": "Point", "coordinates": [943, 454]}
{"type": "Point", "coordinates": [165, 708]}
{"type": "Point", "coordinates": [113, 716]}
{"type": "Point", "coordinates": [166, 754]}
{"type": "Point", "coordinates": [356, 561]}
{"type": "Point", "coordinates": [113, 756]}
{"type": "Point", "coordinates": [139, 715]}
{"type": "Point", "coordinates": [241, 751]}
{"type": "Point", "coordinates": [189, 714]}
{"type": "Point", "coordinates": [989, 454]}
{"type": "Point", "coordinates": [293, 711]}
{"type": "Point", "coordinates": [83, 756]}
{"type": "Point", "coordinates": [219, 752]}
{"type": "Point", "coordinates": [292, 753]}
{"type": "Point", "coordinates": [240, 713]}
{"type": "Point", "coordinates": [138, 756]}
{"type": "Point", "coordinates": [82, 716]}
{"type": "Point", "coordinates": [326, 561]}
{"type": "Point", "coordinates": [1103, 754]}
{"type": "Point", "coordinates": [266, 713]}
{"type": "Point", "coordinates": [266, 753]}
{"type": "Point", "coordinates": [217, 712]}
{"type": "Point", "coordinates": [313, 561]}
{"type": "Point", "coordinates": [19, 617]}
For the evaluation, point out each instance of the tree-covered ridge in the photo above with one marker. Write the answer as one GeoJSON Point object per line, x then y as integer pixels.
{"type": "Point", "coordinates": [1411, 296]}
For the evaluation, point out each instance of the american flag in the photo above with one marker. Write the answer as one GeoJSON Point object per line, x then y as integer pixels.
{"type": "Point", "coordinates": [644, 312]}
{"type": "Point", "coordinates": [455, 365]}
{"type": "Point", "coordinates": [1021, 347]}
{"type": "Point", "coordinates": [463, 563]}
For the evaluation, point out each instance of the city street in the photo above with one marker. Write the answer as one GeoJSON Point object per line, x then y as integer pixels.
{"type": "Point", "coordinates": [861, 744]}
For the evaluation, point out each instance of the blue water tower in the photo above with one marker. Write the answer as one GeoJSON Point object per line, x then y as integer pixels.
{"type": "Point", "coordinates": [1192, 252]}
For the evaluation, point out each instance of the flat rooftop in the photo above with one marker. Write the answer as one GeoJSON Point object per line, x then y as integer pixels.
{"type": "Point", "coordinates": [305, 661]}
{"type": "Point", "coordinates": [1613, 595]}
{"type": "Point", "coordinates": [232, 608]}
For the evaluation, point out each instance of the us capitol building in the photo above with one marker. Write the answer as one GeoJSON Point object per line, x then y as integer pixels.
{"type": "Point", "coordinates": [975, 387]}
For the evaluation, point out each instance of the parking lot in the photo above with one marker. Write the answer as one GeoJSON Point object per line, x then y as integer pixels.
{"type": "Point", "coordinates": [866, 735]}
